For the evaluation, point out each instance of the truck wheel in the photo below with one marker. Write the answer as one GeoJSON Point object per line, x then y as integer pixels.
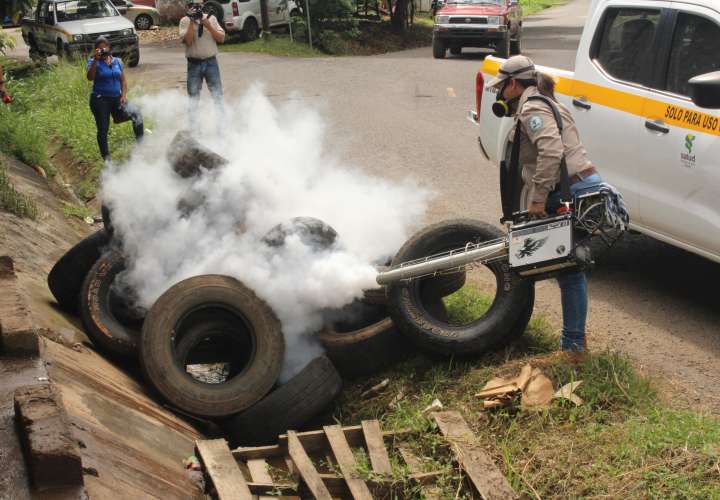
{"type": "Point", "coordinates": [111, 321]}
{"type": "Point", "coordinates": [65, 279]}
{"type": "Point", "coordinates": [250, 29]}
{"type": "Point", "coordinates": [215, 9]}
{"type": "Point", "coordinates": [502, 49]}
{"type": "Point", "coordinates": [143, 22]}
{"type": "Point", "coordinates": [515, 48]}
{"type": "Point", "coordinates": [134, 58]}
{"type": "Point", "coordinates": [456, 51]}
{"type": "Point", "coordinates": [409, 304]}
{"type": "Point", "coordinates": [290, 406]}
{"type": "Point", "coordinates": [438, 48]}
{"type": "Point", "coordinates": [251, 337]}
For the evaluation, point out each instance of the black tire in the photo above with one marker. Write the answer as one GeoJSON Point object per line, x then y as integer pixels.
{"type": "Point", "coordinates": [313, 232]}
{"type": "Point", "coordinates": [215, 9]}
{"type": "Point", "coordinates": [502, 49]}
{"type": "Point", "coordinates": [290, 406]}
{"type": "Point", "coordinates": [250, 29]}
{"type": "Point", "coordinates": [257, 341]}
{"type": "Point", "coordinates": [188, 157]}
{"type": "Point", "coordinates": [363, 345]}
{"type": "Point", "coordinates": [66, 277]}
{"type": "Point", "coordinates": [515, 46]}
{"type": "Point", "coordinates": [409, 303]}
{"type": "Point", "coordinates": [456, 51]}
{"type": "Point", "coordinates": [295, 13]}
{"type": "Point", "coordinates": [438, 48]}
{"type": "Point", "coordinates": [143, 22]}
{"type": "Point", "coordinates": [134, 58]}
{"type": "Point", "coordinates": [109, 318]}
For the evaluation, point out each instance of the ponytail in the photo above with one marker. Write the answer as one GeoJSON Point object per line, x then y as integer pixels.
{"type": "Point", "coordinates": [544, 83]}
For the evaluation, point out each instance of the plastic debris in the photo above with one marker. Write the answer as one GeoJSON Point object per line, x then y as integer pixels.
{"type": "Point", "coordinates": [568, 392]}
{"type": "Point", "coordinates": [436, 405]}
{"type": "Point", "coordinates": [376, 389]}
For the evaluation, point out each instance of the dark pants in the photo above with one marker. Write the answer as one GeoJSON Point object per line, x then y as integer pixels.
{"type": "Point", "coordinates": [103, 107]}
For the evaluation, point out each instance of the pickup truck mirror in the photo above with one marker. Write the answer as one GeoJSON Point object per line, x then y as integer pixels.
{"type": "Point", "coordinates": [705, 90]}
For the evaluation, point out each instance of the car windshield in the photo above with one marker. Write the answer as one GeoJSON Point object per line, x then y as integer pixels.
{"type": "Point", "coordinates": [479, 2]}
{"type": "Point", "coordinates": [83, 9]}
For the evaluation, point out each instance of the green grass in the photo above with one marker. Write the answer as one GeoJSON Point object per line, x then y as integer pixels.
{"type": "Point", "coordinates": [533, 6]}
{"type": "Point", "coordinates": [12, 201]}
{"type": "Point", "coordinates": [79, 211]}
{"type": "Point", "coordinates": [50, 104]}
{"type": "Point", "coordinates": [622, 442]}
{"type": "Point", "coordinates": [275, 45]}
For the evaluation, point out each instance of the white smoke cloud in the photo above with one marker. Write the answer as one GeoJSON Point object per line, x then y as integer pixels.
{"type": "Point", "coordinates": [279, 169]}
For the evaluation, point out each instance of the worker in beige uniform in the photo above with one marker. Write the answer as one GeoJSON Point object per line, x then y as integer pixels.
{"type": "Point", "coordinates": [200, 33]}
{"type": "Point", "coordinates": [523, 93]}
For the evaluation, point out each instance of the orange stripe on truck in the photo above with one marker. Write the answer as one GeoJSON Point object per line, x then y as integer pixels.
{"type": "Point", "coordinates": [652, 109]}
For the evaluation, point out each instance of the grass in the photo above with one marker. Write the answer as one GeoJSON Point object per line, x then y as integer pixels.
{"type": "Point", "coordinates": [622, 442]}
{"type": "Point", "coordinates": [275, 45]}
{"type": "Point", "coordinates": [50, 105]}
{"type": "Point", "coordinates": [79, 211]}
{"type": "Point", "coordinates": [534, 6]}
{"type": "Point", "coordinates": [12, 201]}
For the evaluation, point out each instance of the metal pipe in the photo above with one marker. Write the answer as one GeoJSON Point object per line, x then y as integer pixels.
{"type": "Point", "coordinates": [443, 262]}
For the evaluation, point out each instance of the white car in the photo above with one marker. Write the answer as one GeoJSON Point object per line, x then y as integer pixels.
{"type": "Point", "coordinates": [142, 16]}
{"type": "Point", "coordinates": [646, 99]}
{"type": "Point", "coordinates": [244, 16]}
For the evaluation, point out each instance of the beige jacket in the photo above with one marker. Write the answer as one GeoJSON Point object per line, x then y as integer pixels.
{"type": "Point", "coordinates": [541, 147]}
{"type": "Point", "coordinates": [202, 47]}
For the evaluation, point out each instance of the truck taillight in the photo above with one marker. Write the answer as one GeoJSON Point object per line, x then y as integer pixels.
{"type": "Point", "coordinates": [236, 9]}
{"type": "Point", "coordinates": [479, 85]}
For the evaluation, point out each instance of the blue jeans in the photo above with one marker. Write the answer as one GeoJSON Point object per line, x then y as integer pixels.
{"type": "Point", "coordinates": [103, 107]}
{"type": "Point", "coordinates": [573, 286]}
{"type": "Point", "coordinates": [206, 69]}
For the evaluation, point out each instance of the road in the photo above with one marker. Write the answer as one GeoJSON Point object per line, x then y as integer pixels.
{"type": "Point", "coordinates": [402, 115]}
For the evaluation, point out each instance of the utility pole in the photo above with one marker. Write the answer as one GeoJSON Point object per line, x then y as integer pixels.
{"type": "Point", "coordinates": [307, 9]}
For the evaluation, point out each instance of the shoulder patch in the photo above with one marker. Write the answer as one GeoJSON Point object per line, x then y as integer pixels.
{"type": "Point", "coordinates": [535, 123]}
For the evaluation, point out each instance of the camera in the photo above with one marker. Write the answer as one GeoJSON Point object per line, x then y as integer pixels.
{"type": "Point", "coordinates": [103, 53]}
{"type": "Point", "coordinates": [195, 11]}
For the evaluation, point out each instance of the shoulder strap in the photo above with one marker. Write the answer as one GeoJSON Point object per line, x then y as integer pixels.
{"type": "Point", "coordinates": [565, 194]}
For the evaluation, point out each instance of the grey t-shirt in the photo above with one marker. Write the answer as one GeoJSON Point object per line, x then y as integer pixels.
{"type": "Point", "coordinates": [203, 47]}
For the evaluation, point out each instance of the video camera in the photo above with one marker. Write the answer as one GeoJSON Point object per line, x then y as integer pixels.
{"type": "Point", "coordinates": [195, 11]}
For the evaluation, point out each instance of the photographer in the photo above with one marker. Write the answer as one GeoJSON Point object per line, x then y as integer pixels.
{"type": "Point", "coordinates": [201, 32]}
{"type": "Point", "coordinates": [109, 95]}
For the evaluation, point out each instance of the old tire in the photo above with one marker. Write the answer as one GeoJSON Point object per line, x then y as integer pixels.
{"type": "Point", "coordinates": [188, 157]}
{"type": "Point", "coordinates": [66, 277]}
{"type": "Point", "coordinates": [313, 233]}
{"type": "Point", "coordinates": [290, 406]}
{"type": "Point", "coordinates": [438, 48]}
{"type": "Point", "coordinates": [502, 49]}
{"type": "Point", "coordinates": [110, 321]}
{"type": "Point", "coordinates": [409, 302]}
{"type": "Point", "coordinates": [363, 345]}
{"type": "Point", "coordinates": [250, 29]}
{"type": "Point", "coordinates": [256, 336]}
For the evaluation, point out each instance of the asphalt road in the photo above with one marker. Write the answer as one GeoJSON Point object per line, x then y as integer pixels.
{"type": "Point", "coordinates": [403, 115]}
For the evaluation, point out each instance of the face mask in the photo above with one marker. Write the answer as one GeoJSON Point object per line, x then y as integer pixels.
{"type": "Point", "coordinates": [502, 108]}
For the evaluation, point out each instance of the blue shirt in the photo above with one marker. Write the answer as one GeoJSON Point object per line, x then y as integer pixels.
{"type": "Point", "coordinates": [107, 77]}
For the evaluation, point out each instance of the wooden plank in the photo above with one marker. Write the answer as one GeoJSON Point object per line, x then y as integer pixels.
{"type": "Point", "coordinates": [379, 458]}
{"type": "Point", "coordinates": [222, 469]}
{"type": "Point", "coordinates": [306, 468]}
{"type": "Point", "coordinates": [259, 474]}
{"type": "Point", "coordinates": [312, 441]}
{"type": "Point", "coordinates": [346, 461]}
{"type": "Point", "coordinates": [428, 490]}
{"type": "Point", "coordinates": [480, 468]}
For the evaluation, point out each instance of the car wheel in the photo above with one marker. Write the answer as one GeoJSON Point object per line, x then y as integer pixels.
{"type": "Point", "coordinates": [502, 49]}
{"type": "Point", "coordinates": [295, 13]}
{"type": "Point", "coordinates": [143, 22]}
{"type": "Point", "coordinates": [456, 51]}
{"type": "Point", "coordinates": [515, 48]}
{"type": "Point", "coordinates": [215, 9]}
{"type": "Point", "coordinates": [250, 29]}
{"type": "Point", "coordinates": [134, 58]}
{"type": "Point", "coordinates": [438, 48]}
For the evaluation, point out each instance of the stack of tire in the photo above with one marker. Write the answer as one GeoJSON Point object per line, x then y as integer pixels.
{"type": "Point", "coordinates": [218, 322]}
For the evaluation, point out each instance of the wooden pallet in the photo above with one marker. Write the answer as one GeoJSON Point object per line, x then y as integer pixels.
{"type": "Point", "coordinates": [309, 462]}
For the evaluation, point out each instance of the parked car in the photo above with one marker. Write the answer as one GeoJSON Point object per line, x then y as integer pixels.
{"type": "Point", "coordinates": [244, 16]}
{"type": "Point", "coordinates": [68, 28]}
{"type": "Point", "coordinates": [646, 95]}
{"type": "Point", "coordinates": [477, 23]}
{"type": "Point", "coordinates": [142, 16]}
{"type": "Point", "coordinates": [146, 3]}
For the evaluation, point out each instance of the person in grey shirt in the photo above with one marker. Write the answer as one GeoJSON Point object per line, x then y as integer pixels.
{"type": "Point", "coordinates": [200, 33]}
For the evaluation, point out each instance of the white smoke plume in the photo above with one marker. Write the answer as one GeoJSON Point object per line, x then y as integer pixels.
{"type": "Point", "coordinates": [279, 168]}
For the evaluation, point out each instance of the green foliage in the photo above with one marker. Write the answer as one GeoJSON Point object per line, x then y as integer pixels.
{"type": "Point", "coordinates": [276, 46]}
{"type": "Point", "coordinates": [533, 6]}
{"type": "Point", "coordinates": [78, 211]}
{"type": "Point", "coordinates": [333, 26]}
{"type": "Point", "coordinates": [51, 104]}
{"type": "Point", "coordinates": [6, 41]}
{"type": "Point", "coordinates": [14, 202]}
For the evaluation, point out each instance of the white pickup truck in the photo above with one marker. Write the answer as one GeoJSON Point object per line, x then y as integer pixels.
{"type": "Point", "coordinates": [646, 98]}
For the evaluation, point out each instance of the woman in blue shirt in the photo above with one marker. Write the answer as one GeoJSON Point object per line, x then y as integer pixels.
{"type": "Point", "coordinates": [109, 95]}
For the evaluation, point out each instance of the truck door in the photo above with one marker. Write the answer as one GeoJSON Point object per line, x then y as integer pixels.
{"type": "Point", "coordinates": [681, 199]}
{"type": "Point", "coordinates": [612, 71]}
